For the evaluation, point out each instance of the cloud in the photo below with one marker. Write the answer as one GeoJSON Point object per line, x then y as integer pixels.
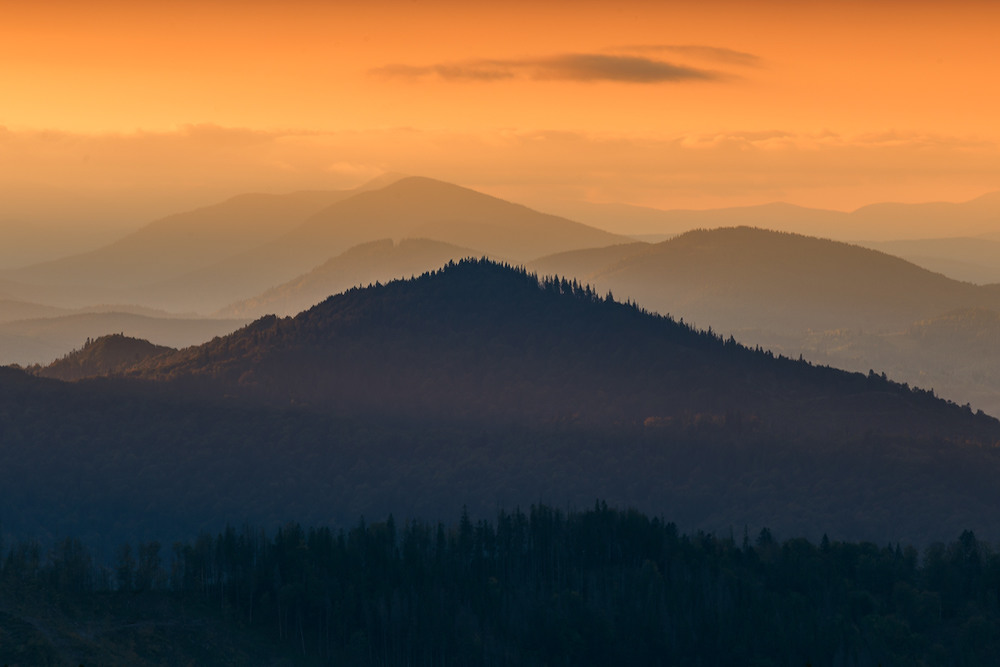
{"type": "Point", "coordinates": [581, 67]}
{"type": "Point", "coordinates": [633, 69]}
{"type": "Point", "coordinates": [700, 52]}
{"type": "Point", "coordinates": [480, 70]}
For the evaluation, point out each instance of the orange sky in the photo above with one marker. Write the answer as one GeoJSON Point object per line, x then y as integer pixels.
{"type": "Point", "coordinates": [668, 104]}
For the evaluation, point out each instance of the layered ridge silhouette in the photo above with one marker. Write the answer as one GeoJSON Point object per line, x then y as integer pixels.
{"type": "Point", "coordinates": [479, 384]}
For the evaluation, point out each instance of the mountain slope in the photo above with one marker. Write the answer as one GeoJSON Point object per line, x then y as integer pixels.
{"type": "Point", "coordinates": [182, 243]}
{"type": "Point", "coordinates": [479, 339]}
{"type": "Point", "coordinates": [977, 217]}
{"type": "Point", "coordinates": [478, 385]}
{"type": "Point", "coordinates": [102, 356]}
{"type": "Point", "coordinates": [974, 260]}
{"type": "Point", "coordinates": [957, 353]}
{"type": "Point", "coordinates": [583, 264]}
{"type": "Point", "coordinates": [377, 261]}
{"type": "Point", "coordinates": [745, 278]}
{"type": "Point", "coordinates": [417, 207]}
{"type": "Point", "coordinates": [412, 207]}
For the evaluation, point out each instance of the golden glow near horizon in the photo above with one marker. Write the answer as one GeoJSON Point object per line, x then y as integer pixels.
{"type": "Point", "coordinates": [698, 105]}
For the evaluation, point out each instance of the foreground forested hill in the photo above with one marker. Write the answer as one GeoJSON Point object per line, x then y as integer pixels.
{"type": "Point", "coordinates": [481, 340]}
{"type": "Point", "coordinates": [479, 385]}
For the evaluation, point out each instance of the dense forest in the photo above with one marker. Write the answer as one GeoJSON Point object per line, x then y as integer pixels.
{"type": "Point", "coordinates": [102, 356]}
{"type": "Point", "coordinates": [535, 587]}
{"type": "Point", "coordinates": [479, 340]}
{"type": "Point", "coordinates": [482, 385]}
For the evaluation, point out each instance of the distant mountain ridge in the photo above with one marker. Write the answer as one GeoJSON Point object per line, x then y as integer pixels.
{"type": "Point", "coordinates": [748, 278]}
{"type": "Point", "coordinates": [206, 259]}
{"type": "Point", "coordinates": [184, 242]}
{"type": "Point", "coordinates": [15, 309]}
{"type": "Point", "coordinates": [412, 207]}
{"type": "Point", "coordinates": [974, 260]}
{"type": "Point", "coordinates": [364, 264]}
{"type": "Point", "coordinates": [878, 222]}
{"type": "Point", "coordinates": [42, 340]}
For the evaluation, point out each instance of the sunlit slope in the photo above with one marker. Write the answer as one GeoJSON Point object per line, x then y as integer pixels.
{"type": "Point", "coordinates": [412, 207]}
{"type": "Point", "coordinates": [479, 339]}
{"type": "Point", "coordinates": [746, 278]}
{"type": "Point", "coordinates": [102, 356]}
{"type": "Point", "coordinates": [376, 261]}
{"type": "Point", "coordinates": [184, 242]}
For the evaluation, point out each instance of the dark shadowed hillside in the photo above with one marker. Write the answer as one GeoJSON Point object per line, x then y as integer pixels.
{"type": "Point", "coordinates": [957, 354]}
{"type": "Point", "coordinates": [479, 385]}
{"type": "Point", "coordinates": [832, 302]}
{"type": "Point", "coordinates": [478, 339]}
{"type": "Point", "coordinates": [103, 356]}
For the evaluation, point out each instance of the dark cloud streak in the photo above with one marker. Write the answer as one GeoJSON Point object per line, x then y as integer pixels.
{"type": "Point", "coordinates": [581, 67]}
{"type": "Point", "coordinates": [632, 69]}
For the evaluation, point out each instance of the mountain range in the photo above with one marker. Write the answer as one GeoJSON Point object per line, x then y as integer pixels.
{"type": "Point", "coordinates": [881, 222]}
{"type": "Point", "coordinates": [479, 384]}
{"type": "Point", "coordinates": [428, 345]}
{"type": "Point", "coordinates": [744, 278]}
{"type": "Point", "coordinates": [783, 291]}
{"type": "Point", "coordinates": [179, 244]}
{"type": "Point", "coordinates": [206, 259]}
{"type": "Point", "coordinates": [831, 302]}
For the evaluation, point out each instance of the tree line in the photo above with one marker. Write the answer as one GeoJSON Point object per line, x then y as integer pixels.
{"type": "Point", "coordinates": [547, 587]}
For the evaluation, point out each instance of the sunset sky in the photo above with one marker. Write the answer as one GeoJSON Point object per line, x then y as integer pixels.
{"type": "Point", "coordinates": [141, 107]}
